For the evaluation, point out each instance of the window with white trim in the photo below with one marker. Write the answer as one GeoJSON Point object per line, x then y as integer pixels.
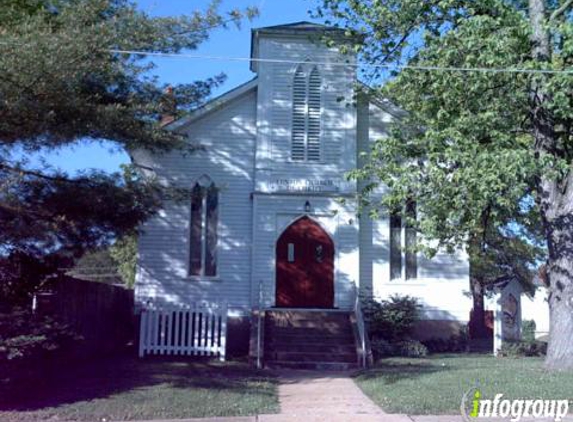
{"type": "Point", "coordinates": [306, 106]}
{"type": "Point", "coordinates": [395, 246]}
{"type": "Point", "coordinates": [203, 228]}
{"type": "Point", "coordinates": [403, 240]}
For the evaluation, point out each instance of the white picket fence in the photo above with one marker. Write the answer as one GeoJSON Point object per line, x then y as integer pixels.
{"type": "Point", "coordinates": [197, 329]}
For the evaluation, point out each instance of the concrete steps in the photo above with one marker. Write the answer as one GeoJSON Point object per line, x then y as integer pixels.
{"type": "Point", "coordinates": [312, 338]}
{"type": "Point", "coordinates": [317, 366]}
{"type": "Point", "coordinates": [316, 347]}
{"type": "Point", "coordinates": [313, 357]}
{"type": "Point", "coordinates": [309, 340]}
{"type": "Point", "coordinates": [480, 345]}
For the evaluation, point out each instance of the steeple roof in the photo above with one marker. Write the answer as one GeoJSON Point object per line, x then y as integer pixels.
{"type": "Point", "coordinates": [301, 28]}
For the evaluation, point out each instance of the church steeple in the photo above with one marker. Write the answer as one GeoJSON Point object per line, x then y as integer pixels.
{"type": "Point", "coordinates": [304, 29]}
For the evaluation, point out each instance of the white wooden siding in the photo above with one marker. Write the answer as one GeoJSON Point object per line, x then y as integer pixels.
{"type": "Point", "coordinates": [274, 213]}
{"type": "Point", "coordinates": [246, 147]}
{"type": "Point", "coordinates": [442, 282]}
{"type": "Point", "coordinates": [274, 113]}
{"type": "Point", "coordinates": [227, 137]}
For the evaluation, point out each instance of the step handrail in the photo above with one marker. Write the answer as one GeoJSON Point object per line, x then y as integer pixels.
{"type": "Point", "coordinates": [361, 327]}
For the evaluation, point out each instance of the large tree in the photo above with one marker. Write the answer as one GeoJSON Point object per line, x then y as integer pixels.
{"type": "Point", "coordinates": [64, 80]}
{"type": "Point", "coordinates": [510, 248]}
{"type": "Point", "coordinates": [489, 121]}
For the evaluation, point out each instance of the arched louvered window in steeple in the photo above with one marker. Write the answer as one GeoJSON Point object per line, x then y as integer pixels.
{"type": "Point", "coordinates": [306, 106]}
{"type": "Point", "coordinates": [298, 146]}
{"type": "Point", "coordinates": [313, 119]}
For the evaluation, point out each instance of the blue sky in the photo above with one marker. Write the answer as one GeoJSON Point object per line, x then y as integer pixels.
{"type": "Point", "coordinates": [230, 42]}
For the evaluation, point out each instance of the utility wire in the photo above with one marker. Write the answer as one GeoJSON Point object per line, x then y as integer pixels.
{"type": "Point", "coordinates": [342, 64]}
{"type": "Point", "coordinates": [348, 63]}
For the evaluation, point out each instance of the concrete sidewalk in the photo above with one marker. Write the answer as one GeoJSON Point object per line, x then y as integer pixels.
{"type": "Point", "coordinates": [354, 418]}
{"type": "Point", "coordinates": [325, 396]}
{"type": "Point", "coordinates": [357, 418]}
{"type": "Point", "coordinates": [311, 396]}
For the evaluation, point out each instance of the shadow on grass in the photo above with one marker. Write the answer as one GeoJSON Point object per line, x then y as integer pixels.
{"type": "Point", "coordinates": [59, 384]}
{"type": "Point", "coordinates": [391, 371]}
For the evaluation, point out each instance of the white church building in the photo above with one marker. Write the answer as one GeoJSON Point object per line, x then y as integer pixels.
{"type": "Point", "coordinates": [273, 223]}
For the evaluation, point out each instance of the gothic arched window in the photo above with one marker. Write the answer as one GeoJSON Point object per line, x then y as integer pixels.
{"type": "Point", "coordinates": [203, 228]}
{"type": "Point", "coordinates": [403, 244]}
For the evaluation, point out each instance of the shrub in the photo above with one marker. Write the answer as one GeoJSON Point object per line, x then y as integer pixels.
{"type": "Point", "coordinates": [25, 336]}
{"type": "Point", "coordinates": [438, 345]}
{"type": "Point", "coordinates": [382, 348]}
{"type": "Point", "coordinates": [412, 349]}
{"type": "Point", "coordinates": [459, 342]}
{"type": "Point", "coordinates": [391, 319]}
{"type": "Point", "coordinates": [453, 344]}
{"type": "Point", "coordinates": [528, 328]}
{"type": "Point", "coordinates": [456, 343]}
{"type": "Point", "coordinates": [523, 348]}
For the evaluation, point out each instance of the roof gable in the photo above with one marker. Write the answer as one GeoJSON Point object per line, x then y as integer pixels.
{"type": "Point", "coordinates": [302, 29]}
{"type": "Point", "coordinates": [213, 105]}
{"type": "Point", "coordinates": [382, 103]}
{"type": "Point", "coordinates": [301, 26]}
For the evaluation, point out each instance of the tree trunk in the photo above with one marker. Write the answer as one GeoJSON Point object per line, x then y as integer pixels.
{"type": "Point", "coordinates": [479, 330]}
{"type": "Point", "coordinates": [555, 198]}
{"type": "Point", "coordinates": [560, 349]}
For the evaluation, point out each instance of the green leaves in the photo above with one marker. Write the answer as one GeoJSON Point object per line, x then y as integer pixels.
{"type": "Point", "coordinates": [58, 75]}
{"type": "Point", "coordinates": [124, 253]}
{"type": "Point", "coordinates": [61, 83]}
{"type": "Point", "coordinates": [465, 146]}
{"type": "Point", "coordinates": [44, 214]}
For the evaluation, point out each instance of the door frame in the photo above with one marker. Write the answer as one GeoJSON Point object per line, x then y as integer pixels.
{"type": "Point", "coordinates": [291, 218]}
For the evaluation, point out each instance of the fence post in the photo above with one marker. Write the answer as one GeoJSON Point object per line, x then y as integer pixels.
{"type": "Point", "coordinates": [142, 331]}
{"type": "Point", "coordinates": [223, 345]}
{"type": "Point", "coordinates": [176, 336]}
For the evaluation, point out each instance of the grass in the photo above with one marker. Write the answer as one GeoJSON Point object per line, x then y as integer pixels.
{"type": "Point", "coordinates": [129, 388]}
{"type": "Point", "coordinates": [435, 385]}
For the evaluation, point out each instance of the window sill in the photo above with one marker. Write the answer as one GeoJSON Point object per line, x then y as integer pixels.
{"type": "Point", "coordinates": [203, 278]}
{"type": "Point", "coordinates": [407, 281]}
{"type": "Point", "coordinates": [404, 279]}
{"type": "Point", "coordinates": [306, 162]}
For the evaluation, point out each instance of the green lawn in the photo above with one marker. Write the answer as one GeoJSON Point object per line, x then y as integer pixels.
{"type": "Point", "coordinates": [435, 385]}
{"type": "Point", "coordinates": [127, 389]}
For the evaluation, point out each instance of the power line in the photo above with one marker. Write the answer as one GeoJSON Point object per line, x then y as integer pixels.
{"type": "Point", "coordinates": [349, 64]}
{"type": "Point", "coordinates": [342, 64]}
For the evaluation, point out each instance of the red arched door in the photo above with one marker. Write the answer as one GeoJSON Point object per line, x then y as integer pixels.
{"type": "Point", "coordinates": [305, 266]}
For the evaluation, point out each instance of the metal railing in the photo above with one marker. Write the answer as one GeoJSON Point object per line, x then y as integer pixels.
{"type": "Point", "coordinates": [361, 328]}
{"type": "Point", "coordinates": [260, 327]}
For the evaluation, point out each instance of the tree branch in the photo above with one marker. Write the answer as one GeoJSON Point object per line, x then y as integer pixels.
{"type": "Point", "coordinates": [560, 10]}
{"type": "Point", "coordinates": [39, 175]}
{"type": "Point", "coordinates": [21, 212]}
